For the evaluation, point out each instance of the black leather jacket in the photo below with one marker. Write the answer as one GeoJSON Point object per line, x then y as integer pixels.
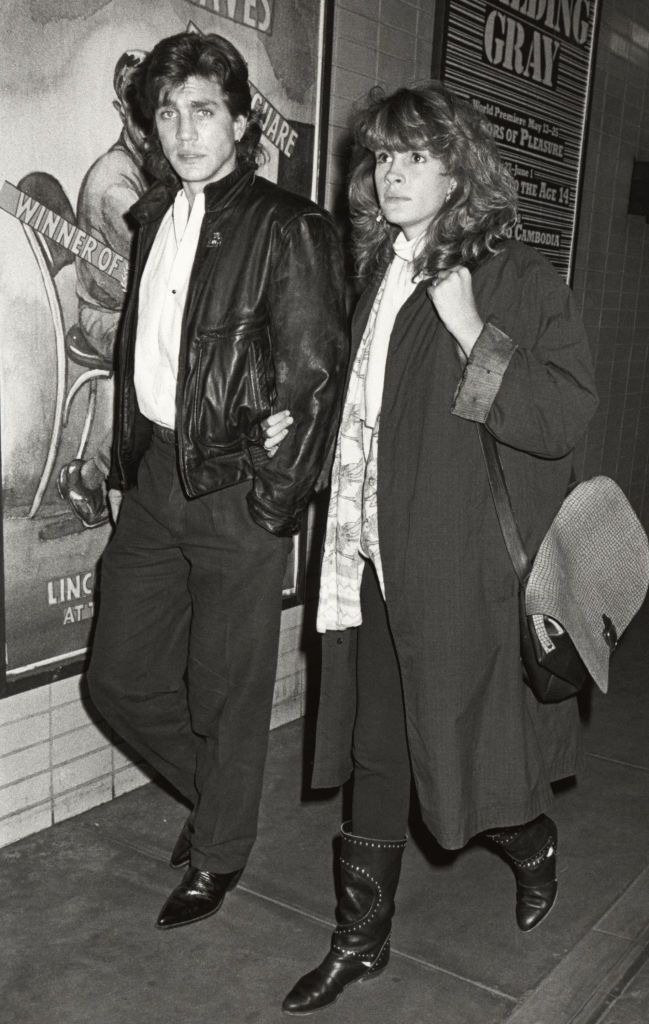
{"type": "Point", "coordinates": [264, 329]}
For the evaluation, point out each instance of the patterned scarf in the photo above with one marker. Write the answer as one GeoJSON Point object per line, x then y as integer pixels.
{"type": "Point", "coordinates": [352, 523]}
{"type": "Point", "coordinates": [352, 520]}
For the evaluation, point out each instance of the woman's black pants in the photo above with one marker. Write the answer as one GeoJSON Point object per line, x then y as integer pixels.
{"type": "Point", "coordinates": [382, 772]}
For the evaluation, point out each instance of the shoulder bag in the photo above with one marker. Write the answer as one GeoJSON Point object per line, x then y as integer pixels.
{"type": "Point", "coordinates": [586, 582]}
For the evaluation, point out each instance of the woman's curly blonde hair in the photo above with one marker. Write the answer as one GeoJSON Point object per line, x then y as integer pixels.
{"type": "Point", "coordinates": [481, 207]}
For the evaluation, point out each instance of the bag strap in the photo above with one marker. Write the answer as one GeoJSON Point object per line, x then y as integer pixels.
{"type": "Point", "coordinates": [502, 501]}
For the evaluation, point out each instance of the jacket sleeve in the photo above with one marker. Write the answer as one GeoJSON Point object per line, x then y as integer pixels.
{"type": "Point", "coordinates": [310, 351]}
{"type": "Point", "coordinates": [529, 378]}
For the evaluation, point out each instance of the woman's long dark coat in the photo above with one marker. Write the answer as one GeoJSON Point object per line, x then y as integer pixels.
{"type": "Point", "coordinates": [483, 750]}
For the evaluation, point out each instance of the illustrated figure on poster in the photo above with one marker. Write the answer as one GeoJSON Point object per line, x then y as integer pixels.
{"type": "Point", "coordinates": [112, 185]}
{"type": "Point", "coordinates": [236, 307]}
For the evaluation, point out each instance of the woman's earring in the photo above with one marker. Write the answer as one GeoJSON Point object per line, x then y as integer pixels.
{"type": "Point", "coordinates": [379, 217]}
{"type": "Point", "coordinates": [449, 192]}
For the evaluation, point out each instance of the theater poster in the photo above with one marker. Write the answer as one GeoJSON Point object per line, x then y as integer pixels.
{"type": "Point", "coordinates": [527, 65]}
{"type": "Point", "coordinates": [66, 173]}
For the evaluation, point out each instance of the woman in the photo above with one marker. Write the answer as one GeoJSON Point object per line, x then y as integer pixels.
{"type": "Point", "coordinates": [418, 601]}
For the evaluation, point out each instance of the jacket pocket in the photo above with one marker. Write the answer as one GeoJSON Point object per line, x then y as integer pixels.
{"type": "Point", "coordinates": [232, 383]}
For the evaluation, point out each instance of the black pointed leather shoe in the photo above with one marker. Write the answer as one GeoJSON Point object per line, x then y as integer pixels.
{"type": "Point", "coordinates": [182, 849]}
{"type": "Point", "coordinates": [200, 894]}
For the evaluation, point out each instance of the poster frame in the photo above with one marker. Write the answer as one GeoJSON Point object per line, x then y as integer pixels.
{"type": "Point", "coordinates": [73, 663]}
{"type": "Point", "coordinates": [438, 59]}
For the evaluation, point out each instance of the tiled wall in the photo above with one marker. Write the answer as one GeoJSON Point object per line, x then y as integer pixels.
{"type": "Point", "coordinates": [376, 41]}
{"type": "Point", "coordinates": [611, 280]}
{"type": "Point", "coordinates": [57, 758]}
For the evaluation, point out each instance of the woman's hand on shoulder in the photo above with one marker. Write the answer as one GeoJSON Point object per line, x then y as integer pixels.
{"type": "Point", "coordinates": [451, 293]}
{"type": "Point", "coordinates": [275, 429]}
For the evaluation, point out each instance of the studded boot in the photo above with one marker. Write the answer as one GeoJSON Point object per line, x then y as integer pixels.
{"type": "Point", "coordinates": [360, 945]}
{"type": "Point", "coordinates": [531, 851]}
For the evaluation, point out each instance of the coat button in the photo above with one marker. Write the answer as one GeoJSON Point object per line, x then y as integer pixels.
{"type": "Point", "coordinates": [339, 641]}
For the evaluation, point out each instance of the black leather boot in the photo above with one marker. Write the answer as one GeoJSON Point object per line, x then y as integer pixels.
{"type": "Point", "coordinates": [531, 851]}
{"type": "Point", "coordinates": [360, 946]}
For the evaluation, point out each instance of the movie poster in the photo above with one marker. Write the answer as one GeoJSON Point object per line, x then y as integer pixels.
{"type": "Point", "coordinates": [526, 65]}
{"type": "Point", "coordinates": [70, 168]}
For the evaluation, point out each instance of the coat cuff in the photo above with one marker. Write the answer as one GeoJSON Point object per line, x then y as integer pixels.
{"type": "Point", "coordinates": [483, 374]}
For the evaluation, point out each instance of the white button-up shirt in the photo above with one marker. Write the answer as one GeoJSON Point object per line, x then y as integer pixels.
{"type": "Point", "coordinates": [163, 292]}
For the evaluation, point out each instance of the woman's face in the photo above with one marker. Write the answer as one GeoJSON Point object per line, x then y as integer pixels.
{"type": "Point", "coordinates": [411, 187]}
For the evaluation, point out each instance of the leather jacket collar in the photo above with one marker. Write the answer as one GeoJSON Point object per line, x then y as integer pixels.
{"type": "Point", "coordinates": [218, 195]}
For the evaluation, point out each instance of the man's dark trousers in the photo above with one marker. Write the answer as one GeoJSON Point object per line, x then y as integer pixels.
{"type": "Point", "coordinates": [185, 650]}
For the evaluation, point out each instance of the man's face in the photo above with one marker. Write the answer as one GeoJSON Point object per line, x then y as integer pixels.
{"type": "Point", "coordinates": [198, 133]}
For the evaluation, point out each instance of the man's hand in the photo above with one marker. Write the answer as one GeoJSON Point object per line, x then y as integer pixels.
{"type": "Point", "coordinates": [275, 429]}
{"type": "Point", "coordinates": [114, 502]}
{"type": "Point", "coordinates": [451, 293]}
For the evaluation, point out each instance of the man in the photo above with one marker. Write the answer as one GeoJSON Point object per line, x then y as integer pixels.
{"type": "Point", "coordinates": [236, 310]}
{"type": "Point", "coordinates": [114, 182]}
